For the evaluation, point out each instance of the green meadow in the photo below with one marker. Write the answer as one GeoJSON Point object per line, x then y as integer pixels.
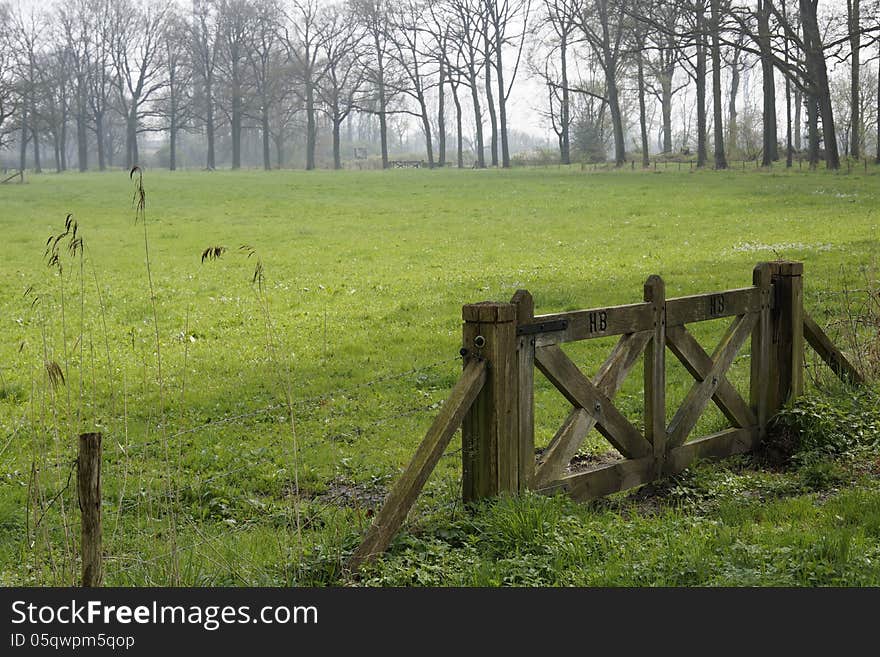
{"type": "Point", "coordinates": [304, 328]}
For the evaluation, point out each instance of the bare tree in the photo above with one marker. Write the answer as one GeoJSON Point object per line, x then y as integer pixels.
{"type": "Point", "coordinates": [560, 18]}
{"type": "Point", "coordinates": [344, 78]}
{"type": "Point", "coordinates": [304, 39]}
{"type": "Point", "coordinates": [508, 23]}
{"type": "Point", "coordinates": [235, 22]}
{"type": "Point", "coordinates": [409, 53]}
{"type": "Point", "coordinates": [8, 93]}
{"type": "Point", "coordinates": [26, 30]}
{"type": "Point", "coordinates": [175, 104]}
{"type": "Point", "coordinates": [267, 67]}
{"type": "Point", "coordinates": [715, 28]}
{"type": "Point", "coordinates": [604, 26]}
{"type": "Point", "coordinates": [374, 17]}
{"type": "Point", "coordinates": [467, 37]}
{"type": "Point", "coordinates": [136, 54]}
{"type": "Point", "coordinates": [205, 44]}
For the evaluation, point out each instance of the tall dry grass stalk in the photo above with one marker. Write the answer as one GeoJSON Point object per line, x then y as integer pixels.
{"type": "Point", "coordinates": [139, 202]}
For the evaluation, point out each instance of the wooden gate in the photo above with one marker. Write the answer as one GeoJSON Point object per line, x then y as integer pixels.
{"type": "Point", "coordinates": [503, 343]}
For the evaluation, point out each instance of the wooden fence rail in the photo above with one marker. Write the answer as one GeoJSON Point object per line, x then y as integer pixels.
{"type": "Point", "coordinates": [503, 343]}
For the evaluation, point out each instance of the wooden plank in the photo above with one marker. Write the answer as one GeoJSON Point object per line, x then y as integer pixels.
{"type": "Point", "coordinates": [655, 370]}
{"type": "Point", "coordinates": [404, 493]}
{"type": "Point", "coordinates": [578, 424]}
{"type": "Point", "coordinates": [832, 356]}
{"type": "Point", "coordinates": [525, 373]}
{"type": "Point", "coordinates": [571, 382]}
{"type": "Point", "coordinates": [604, 480]}
{"type": "Point", "coordinates": [716, 446]}
{"type": "Point", "coordinates": [620, 476]}
{"type": "Point", "coordinates": [712, 305]}
{"type": "Point", "coordinates": [686, 417]}
{"type": "Point", "coordinates": [490, 456]}
{"type": "Point", "coordinates": [595, 323]}
{"type": "Point", "coordinates": [699, 364]}
{"type": "Point", "coordinates": [760, 358]}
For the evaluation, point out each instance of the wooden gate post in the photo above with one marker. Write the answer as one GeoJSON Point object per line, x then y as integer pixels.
{"type": "Point", "coordinates": [525, 374]}
{"type": "Point", "coordinates": [490, 436]}
{"type": "Point", "coordinates": [786, 361]}
{"type": "Point", "coordinates": [88, 484]}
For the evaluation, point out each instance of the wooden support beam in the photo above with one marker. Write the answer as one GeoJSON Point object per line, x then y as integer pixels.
{"type": "Point", "coordinates": [572, 383]}
{"type": "Point", "coordinates": [578, 424]}
{"type": "Point", "coordinates": [605, 480]}
{"type": "Point", "coordinates": [698, 363]}
{"type": "Point", "coordinates": [685, 419]}
{"type": "Point", "coordinates": [404, 493]}
{"type": "Point", "coordinates": [832, 356]}
{"type": "Point", "coordinates": [655, 371]}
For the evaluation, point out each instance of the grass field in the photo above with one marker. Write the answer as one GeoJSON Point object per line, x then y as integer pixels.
{"type": "Point", "coordinates": [356, 314]}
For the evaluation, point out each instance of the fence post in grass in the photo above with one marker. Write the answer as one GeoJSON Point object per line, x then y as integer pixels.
{"type": "Point", "coordinates": [786, 360]}
{"type": "Point", "coordinates": [490, 436]}
{"type": "Point", "coordinates": [88, 485]}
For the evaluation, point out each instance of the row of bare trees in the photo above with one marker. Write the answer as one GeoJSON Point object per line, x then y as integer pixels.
{"type": "Point", "coordinates": [87, 78]}
{"type": "Point", "coordinates": [594, 52]}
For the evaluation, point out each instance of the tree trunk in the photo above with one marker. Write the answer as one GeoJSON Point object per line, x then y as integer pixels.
{"type": "Point", "coordinates": [717, 108]}
{"type": "Point", "coordinates": [798, 120]}
{"type": "Point", "coordinates": [502, 107]}
{"type": "Point", "coordinates": [666, 108]}
{"type": "Point", "coordinates": [426, 128]}
{"type": "Point", "coordinates": [813, 130]}
{"type": "Point", "coordinates": [818, 72]}
{"type": "Point", "coordinates": [478, 119]}
{"type": "Point", "coordinates": [264, 130]}
{"type": "Point", "coordinates": [38, 166]}
{"type": "Point", "coordinates": [441, 119]}
{"type": "Point", "coordinates": [459, 135]}
{"type": "Point", "coordinates": [209, 127]}
{"type": "Point", "coordinates": [311, 127]}
{"type": "Point", "coordinates": [25, 129]}
{"type": "Point", "coordinates": [490, 106]}
{"type": "Point", "coordinates": [732, 125]}
{"type": "Point", "coordinates": [854, 20]}
{"type": "Point", "coordinates": [99, 138]}
{"type": "Point", "coordinates": [770, 138]}
{"type": "Point", "coordinates": [702, 151]}
{"type": "Point", "coordinates": [236, 118]}
{"type": "Point", "coordinates": [643, 120]}
{"type": "Point", "coordinates": [565, 110]}
{"type": "Point", "coordinates": [82, 144]}
{"type": "Point", "coordinates": [337, 152]}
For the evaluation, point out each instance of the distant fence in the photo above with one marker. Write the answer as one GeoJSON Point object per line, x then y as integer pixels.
{"type": "Point", "coordinates": [493, 401]}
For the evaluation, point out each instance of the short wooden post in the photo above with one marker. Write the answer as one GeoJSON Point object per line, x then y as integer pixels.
{"type": "Point", "coordinates": [655, 372]}
{"type": "Point", "coordinates": [786, 360]}
{"type": "Point", "coordinates": [490, 437]}
{"type": "Point", "coordinates": [525, 383]}
{"type": "Point", "coordinates": [88, 484]}
{"type": "Point", "coordinates": [760, 357]}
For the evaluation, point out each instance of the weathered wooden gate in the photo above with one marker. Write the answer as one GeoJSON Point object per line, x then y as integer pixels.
{"type": "Point", "coordinates": [503, 343]}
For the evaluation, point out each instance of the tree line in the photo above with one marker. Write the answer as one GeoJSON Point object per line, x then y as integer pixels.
{"type": "Point", "coordinates": [82, 81]}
